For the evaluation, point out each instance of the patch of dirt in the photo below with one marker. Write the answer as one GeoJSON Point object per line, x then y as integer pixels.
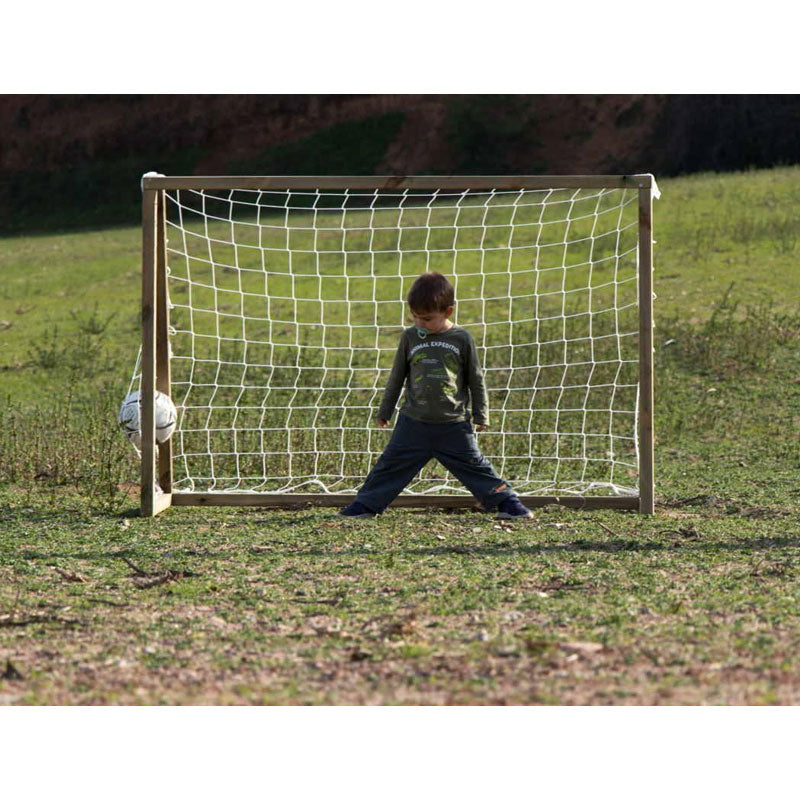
{"type": "Point", "coordinates": [573, 674]}
{"type": "Point", "coordinates": [403, 660]}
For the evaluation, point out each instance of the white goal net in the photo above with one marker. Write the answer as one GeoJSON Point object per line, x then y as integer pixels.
{"type": "Point", "coordinates": [286, 307]}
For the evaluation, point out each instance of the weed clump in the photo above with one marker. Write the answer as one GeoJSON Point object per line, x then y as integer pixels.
{"type": "Point", "coordinates": [73, 442]}
{"type": "Point", "coordinates": [70, 439]}
{"type": "Point", "coordinates": [733, 341]}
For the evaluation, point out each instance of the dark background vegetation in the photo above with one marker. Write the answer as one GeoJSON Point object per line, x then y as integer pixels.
{"type": "Point", "coordinates": [74, 161]}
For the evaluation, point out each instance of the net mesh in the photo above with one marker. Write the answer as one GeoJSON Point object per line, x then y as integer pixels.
{"type": "Point", "coordinates": [286, 309]}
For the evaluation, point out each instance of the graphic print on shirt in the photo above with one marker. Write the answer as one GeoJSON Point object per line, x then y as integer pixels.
{"type": "Point", "coordinates": [434, 373]}
{"type": "Point", "coordinates": [441, 376]}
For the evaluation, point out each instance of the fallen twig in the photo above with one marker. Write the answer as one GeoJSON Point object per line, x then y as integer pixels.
{"type": "Point", "coordinates": [8, 620]}
{"type": "Point", "coordinates": [72, 577]}
{"type": "Point", "coordinates": [11, 673]}
{"type": "Point", "coordinates": [606, 528]}
{"type": "Point", "coordinates": [107, 602]}
{"type": "Point", "coordinates": [326, 601]}
{"type": "Point", "coordinates": [135, 568]}
{"type": "Point", "coordinates": [558, 586]}
{"type": "Point", "coordinates": [147, 582]}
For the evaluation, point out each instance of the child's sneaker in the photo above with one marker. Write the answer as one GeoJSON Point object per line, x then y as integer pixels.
{"type": "Point", "coordinates": [511, 508]}
{"type": "Point", "coordinates": [356, 509]}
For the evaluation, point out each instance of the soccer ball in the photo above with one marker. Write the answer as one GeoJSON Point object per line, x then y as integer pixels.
{"type": "Point", "coordinates": [130, 416]}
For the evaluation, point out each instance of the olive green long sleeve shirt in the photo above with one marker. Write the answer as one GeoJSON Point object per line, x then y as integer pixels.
{"type": "Point", "coordinates": [441, 374]}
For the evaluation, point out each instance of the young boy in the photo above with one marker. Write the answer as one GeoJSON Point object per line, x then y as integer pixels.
{"type": "Point", "coordinates": [438, 363]}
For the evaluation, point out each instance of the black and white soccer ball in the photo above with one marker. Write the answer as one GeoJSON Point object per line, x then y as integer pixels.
{"type": "Point", "coordinates": [130, 418]}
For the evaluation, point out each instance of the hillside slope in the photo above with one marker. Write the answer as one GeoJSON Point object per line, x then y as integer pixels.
{"type": "Point", "coordinates": [75, 161]}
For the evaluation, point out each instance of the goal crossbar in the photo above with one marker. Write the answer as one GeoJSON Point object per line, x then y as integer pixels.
{"type": "Point", "coordinates": [627, 435]}
{"type": "Point", "coordinates": [413, 182]}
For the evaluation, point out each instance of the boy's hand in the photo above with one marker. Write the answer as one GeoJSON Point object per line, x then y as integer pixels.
{"type": "Point", "coordinates": [481, 427]}
{"type": "Point", "coordinates": [383, 423]}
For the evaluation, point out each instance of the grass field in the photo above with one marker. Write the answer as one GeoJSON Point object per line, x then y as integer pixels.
{"type": "Point", "coordinates": [698, 604]}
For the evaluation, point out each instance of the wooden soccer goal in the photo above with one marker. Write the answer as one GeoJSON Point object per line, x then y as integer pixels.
{"type": "Point", "coordinates": [272, 306]}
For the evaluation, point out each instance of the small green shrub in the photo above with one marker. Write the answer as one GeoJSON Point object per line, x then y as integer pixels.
{"type": "Point", "coordinates": [81, 352]}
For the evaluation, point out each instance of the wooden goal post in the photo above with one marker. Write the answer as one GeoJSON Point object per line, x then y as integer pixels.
{"type": "Point", "coordinates": [158, 488]}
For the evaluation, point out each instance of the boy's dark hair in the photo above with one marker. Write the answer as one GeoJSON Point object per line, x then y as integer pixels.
{"type": "Point", "coordinates": [431, 292]}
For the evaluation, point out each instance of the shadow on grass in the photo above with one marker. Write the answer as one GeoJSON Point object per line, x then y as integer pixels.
{"type": "Point", "coordinates": [173, 554]}
{"type": "Point", "coordinates": [97, 555]}
{"type": "Point", "coordinates": [608, 546]}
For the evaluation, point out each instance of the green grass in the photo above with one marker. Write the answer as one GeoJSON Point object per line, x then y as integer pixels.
{"type": "Point", "coordinates": [714, 230]}
{"type": "Point", "coordinates": [695, 605]}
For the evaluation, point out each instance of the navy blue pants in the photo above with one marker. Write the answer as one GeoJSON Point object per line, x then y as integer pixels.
{"type": "Point", "coordinates": [415, 443]}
